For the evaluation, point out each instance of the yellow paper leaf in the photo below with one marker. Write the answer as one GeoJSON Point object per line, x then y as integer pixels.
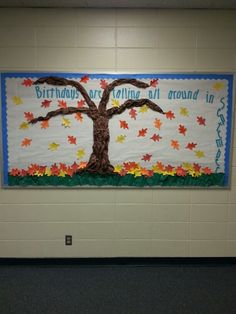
{"type": "Point", "coordinates": [218, 86]}
{"type": "Point", "coordinates": [62, 174]}
{"type": "Point", "coordinates": [66, 123]}
{"type": "Point", "coordinates": [199, 154]}
{"type": "Point", "coordinates": [80, 153]}
{"type": "Point", "coordinates": [120, 138]}
{"type": "Point", "coordinates": [53, 146]}
{"type": "Point", "coordinates": [48, 172]}
{"type": "Point", "coordinates": [115, 103]}
{"type": "Point", "coordinates": [143, 109]}
{"type": "Point", "coordinates": [184, 112]}
{"type": "Point", "coordinates": [118, 168]}
{"type": "Point", "coordinates": [17, 100]}
{"type": "Point", "coordinates": [24, 126]}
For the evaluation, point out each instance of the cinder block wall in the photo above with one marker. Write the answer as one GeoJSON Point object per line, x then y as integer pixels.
{"type": "Point", "coordinates": [113, 222]}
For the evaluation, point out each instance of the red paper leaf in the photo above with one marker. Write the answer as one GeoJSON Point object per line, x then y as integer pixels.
{"type": "Point", "coordinates": [46, 103]}
{"type": "Point", "coordinates": [71, 139]}
{"type": "Point", "coordinates": [181, 172]}
{"type": "Point", "coordinates": [154, 83]}
{"type": "Point", "coordinates": [156, 137]}
{"type": "Point", "coordinates": [130, 165]}
{"type": "Point", "coordinates": [207, 170]}
{"type": "Point", "coordinates": [103, 84]}
{"type": "Point", "coordinates": [27, 83]}
{"type": "Point", "coordinates": [133, 113]}
{"type": "Point", "coordinates": [201, 121]}
{"type": "Point", "coordinates": [29, 116]}
{"type": "Point", "coordinates": [169, 168]}
{"type": "Point", "coordinates": [196, 167]}
{"type": "Point", "coordinates": [32, 169]}
{"type": "Point", "coordinates": [142, 132]}
{"type": "Point", "coordinates": [80, 103]}
{"type": "Point", "coordinates": [84, 79]}
{"type": "Point", "coordinates": [191, 146]}
{"type": "Point", "coordinates": [147, 157]}
{"type": "Point", "coordinates": [170, 115]}
{"type": "Point", "coordinates": [182, 129]}
{"type": "Point", "coordinates": [123, 124]}
{"type": "Point", "coordinates": [62, 104]}
{"type": "Point", "coordinates": [63, 167]}
{"type": "Point", "coordinates": [15, 172]}
{"type": "Point", "coordinates": [55, 170]}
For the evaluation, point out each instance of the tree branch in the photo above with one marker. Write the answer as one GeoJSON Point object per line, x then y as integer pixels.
{"type": "Point", "coordinates": [58, 81]}
{"type": "Point", "coordinates": [130, 103]}
{"type": "Point", "coordinates": [107, 91]}
{"type": "Point", "coordinates": [61, 111]}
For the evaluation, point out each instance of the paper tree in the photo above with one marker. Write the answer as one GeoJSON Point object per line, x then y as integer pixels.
{"type": "Point", "coordinates": [100, 115]}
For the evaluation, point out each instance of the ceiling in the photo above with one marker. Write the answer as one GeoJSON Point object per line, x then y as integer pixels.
{"type": "Point", "coordinates": [162, 4]}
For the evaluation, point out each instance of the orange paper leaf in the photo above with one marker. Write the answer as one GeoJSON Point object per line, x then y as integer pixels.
{"type": "Point", "coordinates": [26, 142]}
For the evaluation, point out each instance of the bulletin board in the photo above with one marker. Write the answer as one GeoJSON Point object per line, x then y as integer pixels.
{"type": "Point", "coordinates": [116, 130]}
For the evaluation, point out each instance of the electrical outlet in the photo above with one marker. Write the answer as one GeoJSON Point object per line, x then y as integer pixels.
{"type": "Point", "coordinates": [68, 239]}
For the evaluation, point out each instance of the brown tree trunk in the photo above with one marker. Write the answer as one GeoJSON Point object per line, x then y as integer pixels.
{"type": "Point", "coordinates": [99, 159]}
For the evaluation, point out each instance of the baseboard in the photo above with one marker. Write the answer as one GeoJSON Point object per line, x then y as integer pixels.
{"type": "Point", "coordinates": [119, 261]}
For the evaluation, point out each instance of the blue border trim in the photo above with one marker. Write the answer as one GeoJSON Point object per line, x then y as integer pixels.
{"type": "Point", "coordinates": [4, 130]}
{"type": "Point", "coordinates": [228, 77]}
{"type": "Point", "coordinates": [228, 129]}
{"type": "Point", "coordinates": [119, 75]}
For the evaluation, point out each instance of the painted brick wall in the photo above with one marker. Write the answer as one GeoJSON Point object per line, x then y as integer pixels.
{"type": "Point", "coordinates": [109, 222]}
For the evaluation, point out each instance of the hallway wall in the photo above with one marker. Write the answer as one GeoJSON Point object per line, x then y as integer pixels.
{"type": "Point", "coordinates": [116, 222]}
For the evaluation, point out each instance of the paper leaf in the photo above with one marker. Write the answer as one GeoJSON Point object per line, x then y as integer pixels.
{"type": "Point", "coordinates": [27, 83]}
{"type": "Point", "coordinates": [120, 138]}
{"type": "Point", "coordinates": [142, 132]}
{"type": "Point", "coordinates": [154, 83]}
{"type": "Point", "coordinates": [156, 137]}
{"type": "Point", "coordinates": [46, 103]}
{"type": "Point", "coordinates": [66, 123]}
{"type": "Point", "coordinates": [17, 100]}
{"type": "Point", "coordinates": [175, 144]}
{"type": "Point", "coordinates": [123, 124]}
{"type": "Point", "coordinates": [80, 103]}
{"type": "Point", "coordinates": [133, 113]}
{"type": "Point", "coordinates": [103, 84]}
{"type": "Point", "coordinates": [62, 104]}
{"type": "Point", "coordinates": [199, 154]}
{"type": "Point", "coordinates": [182, 129]}
{"type": "Point", "coordinates": [143, 109]}
{"type": "Point", "coordinates": [218, 86]}
{"type": "Point", "coordinates": [71, 139]}
{"type": "Point", "coordinates": [115, 103]}
{"type": "Point", "coordinates": [44, 124]}
{"type": "Point", "coordinates": [147, 157]}
{"type": "Point", "coordinates": [24, 126]}
{"type": "Point", "coordinates": [201, 121]}
{"type": "Point", "coordinates": [170, 115]}
{"type": "Point", "coordinates": [184, 112]}
{"type": "Point", "coordinates": [53, 146]}
{"type": "Point", "coordinates": [157, 123]}
{"type": "Point", "coordinates": [79, 117]}
{"type": "Point", "coordinates": [191, 146]}
{"type": "Point", "coordinates": [84, 79]}
{"type": "Point", "coordinates": [29, 116]}
{"type": "Point", "coordinates": [80, 153]}
{"type": "Point", "coordinates": [26, 142]}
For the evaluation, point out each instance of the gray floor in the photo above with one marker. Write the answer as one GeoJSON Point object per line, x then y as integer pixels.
{"type": "Point", "coordinates": [118, 289]}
